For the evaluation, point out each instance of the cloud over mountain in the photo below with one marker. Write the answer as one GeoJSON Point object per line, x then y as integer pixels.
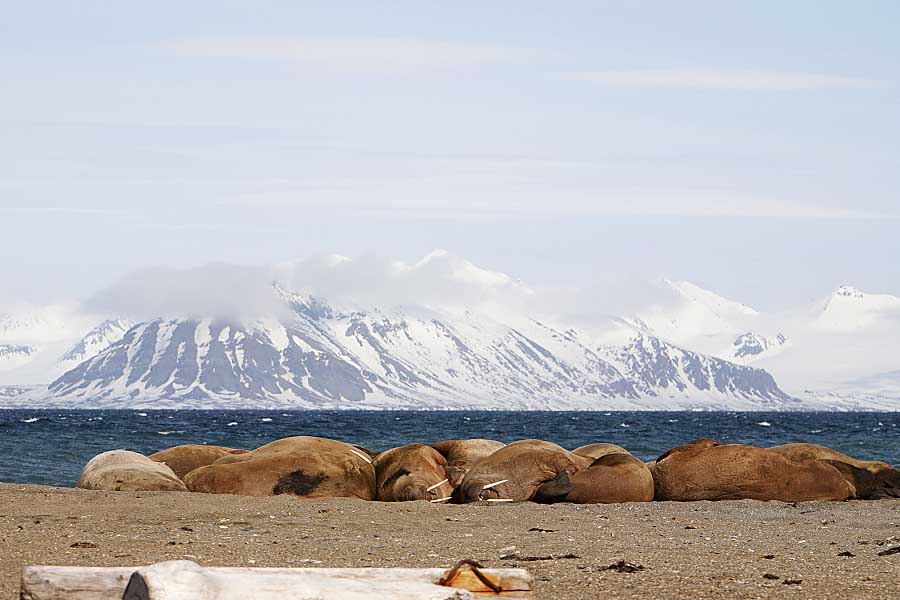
{"type": "Point", "coordinates": [214, 290]}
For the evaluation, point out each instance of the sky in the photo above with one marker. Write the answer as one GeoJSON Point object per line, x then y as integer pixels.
{"type": "Point", "coordinates": [750, 147]}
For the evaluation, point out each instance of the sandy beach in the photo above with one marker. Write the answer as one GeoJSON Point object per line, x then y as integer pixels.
{"type": "Point", "coordinates": [744, 549]}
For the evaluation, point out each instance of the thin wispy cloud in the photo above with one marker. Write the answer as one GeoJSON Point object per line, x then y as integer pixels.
{"type": "Point", "coordinates": [62, 210]}
{"type": "Point", "coordinates": [351, 52]}
{"type": "Point", "coordinates": [456, 198]}
{"type": "Point", "coordinates": [747, 80]}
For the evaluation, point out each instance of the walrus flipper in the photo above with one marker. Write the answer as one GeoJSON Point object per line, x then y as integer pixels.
{"type": "Point", "coordinates": [861, 479]}
{"type": "Point", "coordinates": [554, 490]}
{"type": "Point", "coordinates": [887, 484]}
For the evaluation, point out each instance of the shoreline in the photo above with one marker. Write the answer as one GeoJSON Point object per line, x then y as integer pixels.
{"type": "Point", "coordinates": [733, 549]}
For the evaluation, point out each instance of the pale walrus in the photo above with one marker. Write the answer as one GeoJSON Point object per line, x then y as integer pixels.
{"type": "Point", "coordinates": [126, 471]}
{"type": "Point", "coordinates": [884, 480]}
{"type": "Point", "coordinates": [184, 459]}
{"type": "Point", "coordinates": [412, 472]}
{"type": "Point", "coordinates": [462, 454]}
{"type": "Point", "coordinates": [709, 470]}
{"type": "Point", "coordinates": [310, 467]}
{"type": "Point", "coordinates": [517, 472]}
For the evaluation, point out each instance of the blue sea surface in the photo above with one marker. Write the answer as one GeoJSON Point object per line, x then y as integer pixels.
{"type": "Point", "coordinates": [50, 446]}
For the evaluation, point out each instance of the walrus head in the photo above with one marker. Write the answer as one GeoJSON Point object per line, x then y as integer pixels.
{"type": "Point", "coordinates": [526, 470]}
{"type": "Point", "coordinates": [474, 489]}
{"type": "Point", "coordinates": [411, 472]}
{"type": "Point", "coordinates": [461, 455]}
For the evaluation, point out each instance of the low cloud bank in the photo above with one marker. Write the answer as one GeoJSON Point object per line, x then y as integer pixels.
{"type": "Point", "coordinates": [214, 290]}
{"type": "Point", "coordinates": [439, 280]}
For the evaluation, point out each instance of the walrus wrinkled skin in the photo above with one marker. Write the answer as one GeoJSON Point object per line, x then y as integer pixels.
{"type": "Point", "coordinates": [614, 477]}
{"type": "Point", "coordinates": [411, 472]}
{"type": "Point", "coordinates": [517, 473]}
{"type": "Point", "coordinates": [884, 480]}
{"type": "Point", "coordinates": [461, 455]}
{"type": "Point", "coordinates": [126, 471]}
{"type": "Point", "coordinates": [709, 470]}
{"type": "Point", "coordinates": [184, 459]}
{"type": "Point", "coordinates": [310, 467]}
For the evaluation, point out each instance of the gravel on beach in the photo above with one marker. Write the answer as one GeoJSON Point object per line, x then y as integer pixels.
{"type": "Point", "coordinates": [737, 549]}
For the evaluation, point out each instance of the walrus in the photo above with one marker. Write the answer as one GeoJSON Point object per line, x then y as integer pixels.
{"type": "Point", "coordinates": [126, 471]}
{"type": "Point", "coordinates": [709, 470]}
{"type": "Point", "coordinates": [884, 479]}
{"type": "Point", "coordinates": [184, 459]}
{"type": "Point", "coordinates": [310, 467]}
{"type": "Point", "coordinates": [462, 454]}
{"type": "Point", "coordinates": [412, 472]}
{"type": "Point", "coordinates": [517, 472]}
{"type": "Point", "coordinates": [614, 477]}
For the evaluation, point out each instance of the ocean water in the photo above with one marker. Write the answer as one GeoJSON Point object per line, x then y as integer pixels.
{"type": "Point", "coordinates": [51, 446]}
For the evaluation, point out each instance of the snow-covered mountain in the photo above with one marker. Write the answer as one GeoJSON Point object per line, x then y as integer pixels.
{"type": "Point", "coordinates": [753, 345]}
{"type": "Point", "coordinates": [848, 309]}
{"type": "Point", "coordinates": [443, 333]}
{"type": "Point", "coordinates": [16, 353]}
{"type": "Point", "coordinates": [33, 323]}
{"type": "Point", "coordinates": [96, 340]}
{"type": "Point", "coordinates": [425, 358]}
{"type": "Point", "coordinates": [37, 344]}
{"type": "Point", "coordinates": [703, 320]}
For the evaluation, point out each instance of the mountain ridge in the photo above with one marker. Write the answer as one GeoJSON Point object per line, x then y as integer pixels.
{"type": "Point", "coordinates": [480, 339]}
{"type": "Point", "coordinates": [323, 357]}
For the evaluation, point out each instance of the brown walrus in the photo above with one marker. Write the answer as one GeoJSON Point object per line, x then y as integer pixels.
{"type": "Point", "coordinates": [411, 472]}
{"type": "Point", "coordinates": [126, 471]}
{"type": "Point", "coordinates": [708, 470]}
{"type": "Point", "coordinates": [462, 454]}
{"type": "Point", "coordinates": [614, 477]}
{"type": "Point", "coordinates": [517, 472]}
{"type": "Point", "coordinates": [883, 480]}
{"type": "Point", "coordinates": [310, 467]}
{"type": "Point", "coordinates": [184, 459]}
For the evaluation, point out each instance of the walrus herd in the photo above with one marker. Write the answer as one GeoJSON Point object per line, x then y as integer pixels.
{"type": "Point", "coordinates": [462, 471]}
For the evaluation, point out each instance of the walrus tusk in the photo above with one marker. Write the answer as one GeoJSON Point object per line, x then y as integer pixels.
{"type": "Point", "coordinates": [499, 499]}
{"type": "Point", "coordinates": [361, 455]}
{"type": "Point", "coordinates": [496, 483]}
{"type": "Point", "coordinates": [440, 499]}
{"type": "Point", "coordinates": [437, 485]}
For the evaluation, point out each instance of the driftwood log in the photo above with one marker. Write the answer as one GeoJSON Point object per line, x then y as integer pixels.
{"type": "Point", "coordinates": [186, 580]}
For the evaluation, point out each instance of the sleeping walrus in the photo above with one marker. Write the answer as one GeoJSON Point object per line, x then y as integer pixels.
{"type": "Point", "coordinates": [878, 479]}
{"type": "Point", "coordinates": [615, 476]}
{"type": "Point", "coordinates": [411, 472]}
{"type": "Point", "coordinates": [184, 459]}
{"type": "Point", "coordinates": [310, 467]}
{"type": "Point", "coordinates": [462, 454]}
{"type": "Point", "coordinates": [126, 471]}
{"type": "Point", "coordinates": [519, 471]}
{"type": "Point", "coordinates": [709, 470]}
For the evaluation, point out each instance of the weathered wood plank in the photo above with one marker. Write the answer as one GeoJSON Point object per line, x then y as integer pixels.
{"type": "Point", "coordinates": [176, 580]}
{"type": "Point", "coordinates": [74, 583]}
